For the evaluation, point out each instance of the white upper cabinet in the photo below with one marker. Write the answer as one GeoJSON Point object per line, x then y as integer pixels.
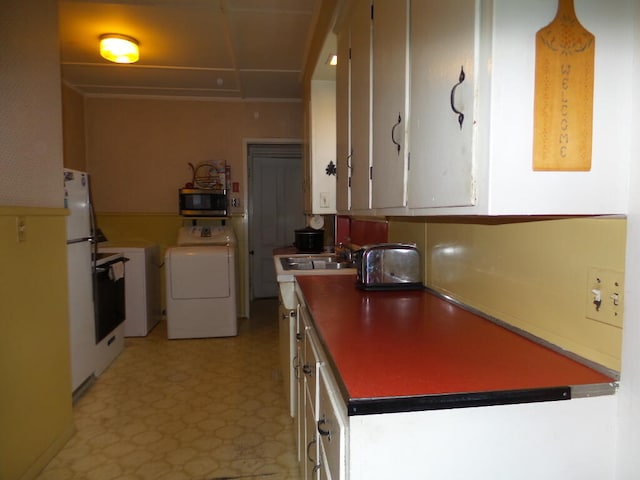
{"type": "Point", "coordinates": [443, 127]}
{"type": "Point", "coordinates": [322, 146]}
{"type": "Point", "coordinates": [473, 87]}
{"type": "Point", "coordinates": [343, 109]}
{"type": "Point", "coordinates": [360, 89]}
{"type": "Point", "coordinates": [390, 102]}
{"type": "Point", "coordinates": [354, 100]}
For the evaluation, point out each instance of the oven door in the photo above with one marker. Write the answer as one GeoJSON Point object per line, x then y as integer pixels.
{"type": "Point", "coordinates": [109, 296]}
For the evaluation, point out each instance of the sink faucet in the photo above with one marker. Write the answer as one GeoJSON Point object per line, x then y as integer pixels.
{"type": "Point", "coordinates": [344, 252]}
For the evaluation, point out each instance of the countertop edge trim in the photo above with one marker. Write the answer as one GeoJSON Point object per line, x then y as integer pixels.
{"type": "Point", "coordinates": [372, 406]}
{"type": "Point", "coordinates": [594, 390]}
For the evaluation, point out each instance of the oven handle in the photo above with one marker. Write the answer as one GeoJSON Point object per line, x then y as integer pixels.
{"type": "Point", "coordinates": [104, 267]}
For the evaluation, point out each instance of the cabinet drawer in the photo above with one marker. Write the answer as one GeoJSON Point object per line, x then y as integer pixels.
{"type": "Point", "coordinates": [331, 426]}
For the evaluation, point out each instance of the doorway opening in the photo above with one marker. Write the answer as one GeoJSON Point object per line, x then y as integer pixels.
{"type": "Point", "coordinates": [276, 209]}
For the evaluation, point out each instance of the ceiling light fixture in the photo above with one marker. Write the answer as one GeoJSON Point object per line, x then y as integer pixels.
{"type": "Point", "coordinates": [332, 59]}
{"type": "Point", "coordinates": [119, 48]}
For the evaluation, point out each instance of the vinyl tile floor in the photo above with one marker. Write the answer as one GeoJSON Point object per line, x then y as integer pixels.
{"type": "Point", "coordinates": [198, 409]}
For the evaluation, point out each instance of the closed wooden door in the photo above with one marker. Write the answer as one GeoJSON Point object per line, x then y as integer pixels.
{"type": "Point", "coordinates": [275, 210]}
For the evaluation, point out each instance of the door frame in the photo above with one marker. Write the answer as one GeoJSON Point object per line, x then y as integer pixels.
{"type": "Point", "coordinates": [244, 243]}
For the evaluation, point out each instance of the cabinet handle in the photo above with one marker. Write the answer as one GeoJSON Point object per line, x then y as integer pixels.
{"type": "Point", "coordinates": [324, 433]}
{"type": "Point", "coordinates": [453, 97]}
{"type": "Point", "coordinates": [296, 366]}
{"type": "Point", "coordinates": [393, 133]}
{"type": "Point", "coordinates": [311, 443]}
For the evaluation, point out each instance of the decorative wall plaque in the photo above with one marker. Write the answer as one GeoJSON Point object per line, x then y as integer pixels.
{"type": "Point", "coordinates": [563, 103]}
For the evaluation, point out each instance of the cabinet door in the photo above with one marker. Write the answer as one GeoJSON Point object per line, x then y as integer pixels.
{"type": "Point", "coordinates": [287, 350]}
{"type": "Point", "coordinates": [442, 131]}
{"type": "Point", "coordinates": [390, 78]}
{"type": "Point", "coordinates": [332, 427]}
{"type": "Point", "coordinates": [322, 145]}
{"type": "Point", "coordinates": [299, 383]}
{"type": "Point", "coordinates": [360, 88]}
{"type": "Point", "coordinates": [324, 473]}
{"type": "Point", "coordinates": [311, 367]}
{"type": "Point", "coordinates": [343, 124]}
{"type": "Point", "coordinates": [311, 464]}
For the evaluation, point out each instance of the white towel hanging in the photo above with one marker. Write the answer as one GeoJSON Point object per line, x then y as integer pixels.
{"type": "Point", "coordinates": [116, 271]}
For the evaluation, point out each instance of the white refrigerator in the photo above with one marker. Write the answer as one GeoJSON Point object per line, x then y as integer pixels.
{"type": "Point", "coordinates": [79, 248]}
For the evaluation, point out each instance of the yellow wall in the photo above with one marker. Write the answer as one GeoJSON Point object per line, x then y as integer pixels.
{"type": "Point", "coordinates": [35, 378]}
{"type": "Point", "coordinates": [35, 383]}
{"type": "Point", "coordinates": [530, 274]}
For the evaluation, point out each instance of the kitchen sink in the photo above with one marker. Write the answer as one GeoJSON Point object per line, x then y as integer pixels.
{"type": "Point", "coordinates": [314, 262]}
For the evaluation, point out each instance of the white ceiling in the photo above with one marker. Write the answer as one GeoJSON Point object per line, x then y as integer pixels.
{"type": "Point", "coordinates": [197, 48]}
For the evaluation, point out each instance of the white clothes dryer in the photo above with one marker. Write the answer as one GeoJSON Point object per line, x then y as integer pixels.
{"type": "Point", "coordinates": [200, 284]}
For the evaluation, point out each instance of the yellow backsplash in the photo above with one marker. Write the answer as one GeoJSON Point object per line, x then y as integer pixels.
{"type": "Point", "coordinates": [530, 274]}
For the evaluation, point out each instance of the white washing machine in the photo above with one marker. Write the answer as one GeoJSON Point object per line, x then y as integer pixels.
{"type": "Point", "coordinates": [200, 283]}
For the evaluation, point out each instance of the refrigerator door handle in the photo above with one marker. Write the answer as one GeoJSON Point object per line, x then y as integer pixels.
{"type": "Point", "coordinates": [80, 240]}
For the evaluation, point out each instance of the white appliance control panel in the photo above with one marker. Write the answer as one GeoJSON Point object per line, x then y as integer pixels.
{"type": "Point", "coordinates": [206, 235]}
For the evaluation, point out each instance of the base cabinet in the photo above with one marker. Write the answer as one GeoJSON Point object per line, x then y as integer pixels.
{"type": "Point", "coordinates": [552, 440]}
{"type": "Point", "coordinates": [571, 439]}
{"type": "Point", "coordinates": [321, 429]}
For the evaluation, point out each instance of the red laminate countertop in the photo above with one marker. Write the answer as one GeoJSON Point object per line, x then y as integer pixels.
{"type": "Point", "coordinates": [413, 343]}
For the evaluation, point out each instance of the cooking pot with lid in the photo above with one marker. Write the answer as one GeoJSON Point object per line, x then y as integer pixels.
{"type": "Point", "coordinates": [309, 240]}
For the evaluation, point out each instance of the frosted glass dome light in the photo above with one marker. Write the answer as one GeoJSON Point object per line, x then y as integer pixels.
{"type": "Point", "coordinates": [119, 48]}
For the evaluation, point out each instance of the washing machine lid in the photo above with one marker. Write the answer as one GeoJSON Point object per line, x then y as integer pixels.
{"type": "Point", "coordinates": [206, 235]}
{"type": "Point", "coordinates": [199, 272]}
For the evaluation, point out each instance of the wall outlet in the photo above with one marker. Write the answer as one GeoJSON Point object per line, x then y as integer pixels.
{"type": "Point", "coordinates": [324, 199]}
{"type": "Point", "coordinates": [605, 295]}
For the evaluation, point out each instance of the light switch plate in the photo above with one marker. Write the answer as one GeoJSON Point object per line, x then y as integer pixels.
{"type": "Point", "coordinates": [21, 229]}
{"type": "Point", "coordinates": [608, 285]}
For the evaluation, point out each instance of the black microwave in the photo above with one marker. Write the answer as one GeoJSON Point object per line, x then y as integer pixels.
{"type": "Point", "coordinates": [195, 202]}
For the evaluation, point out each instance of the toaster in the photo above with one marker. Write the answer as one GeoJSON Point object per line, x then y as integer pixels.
{"type": "Point", "coordinates": [388, 266]}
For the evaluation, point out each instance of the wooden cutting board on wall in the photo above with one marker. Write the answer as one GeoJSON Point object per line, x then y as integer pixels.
{"type": "Point", "coordinates": [563, 101]}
